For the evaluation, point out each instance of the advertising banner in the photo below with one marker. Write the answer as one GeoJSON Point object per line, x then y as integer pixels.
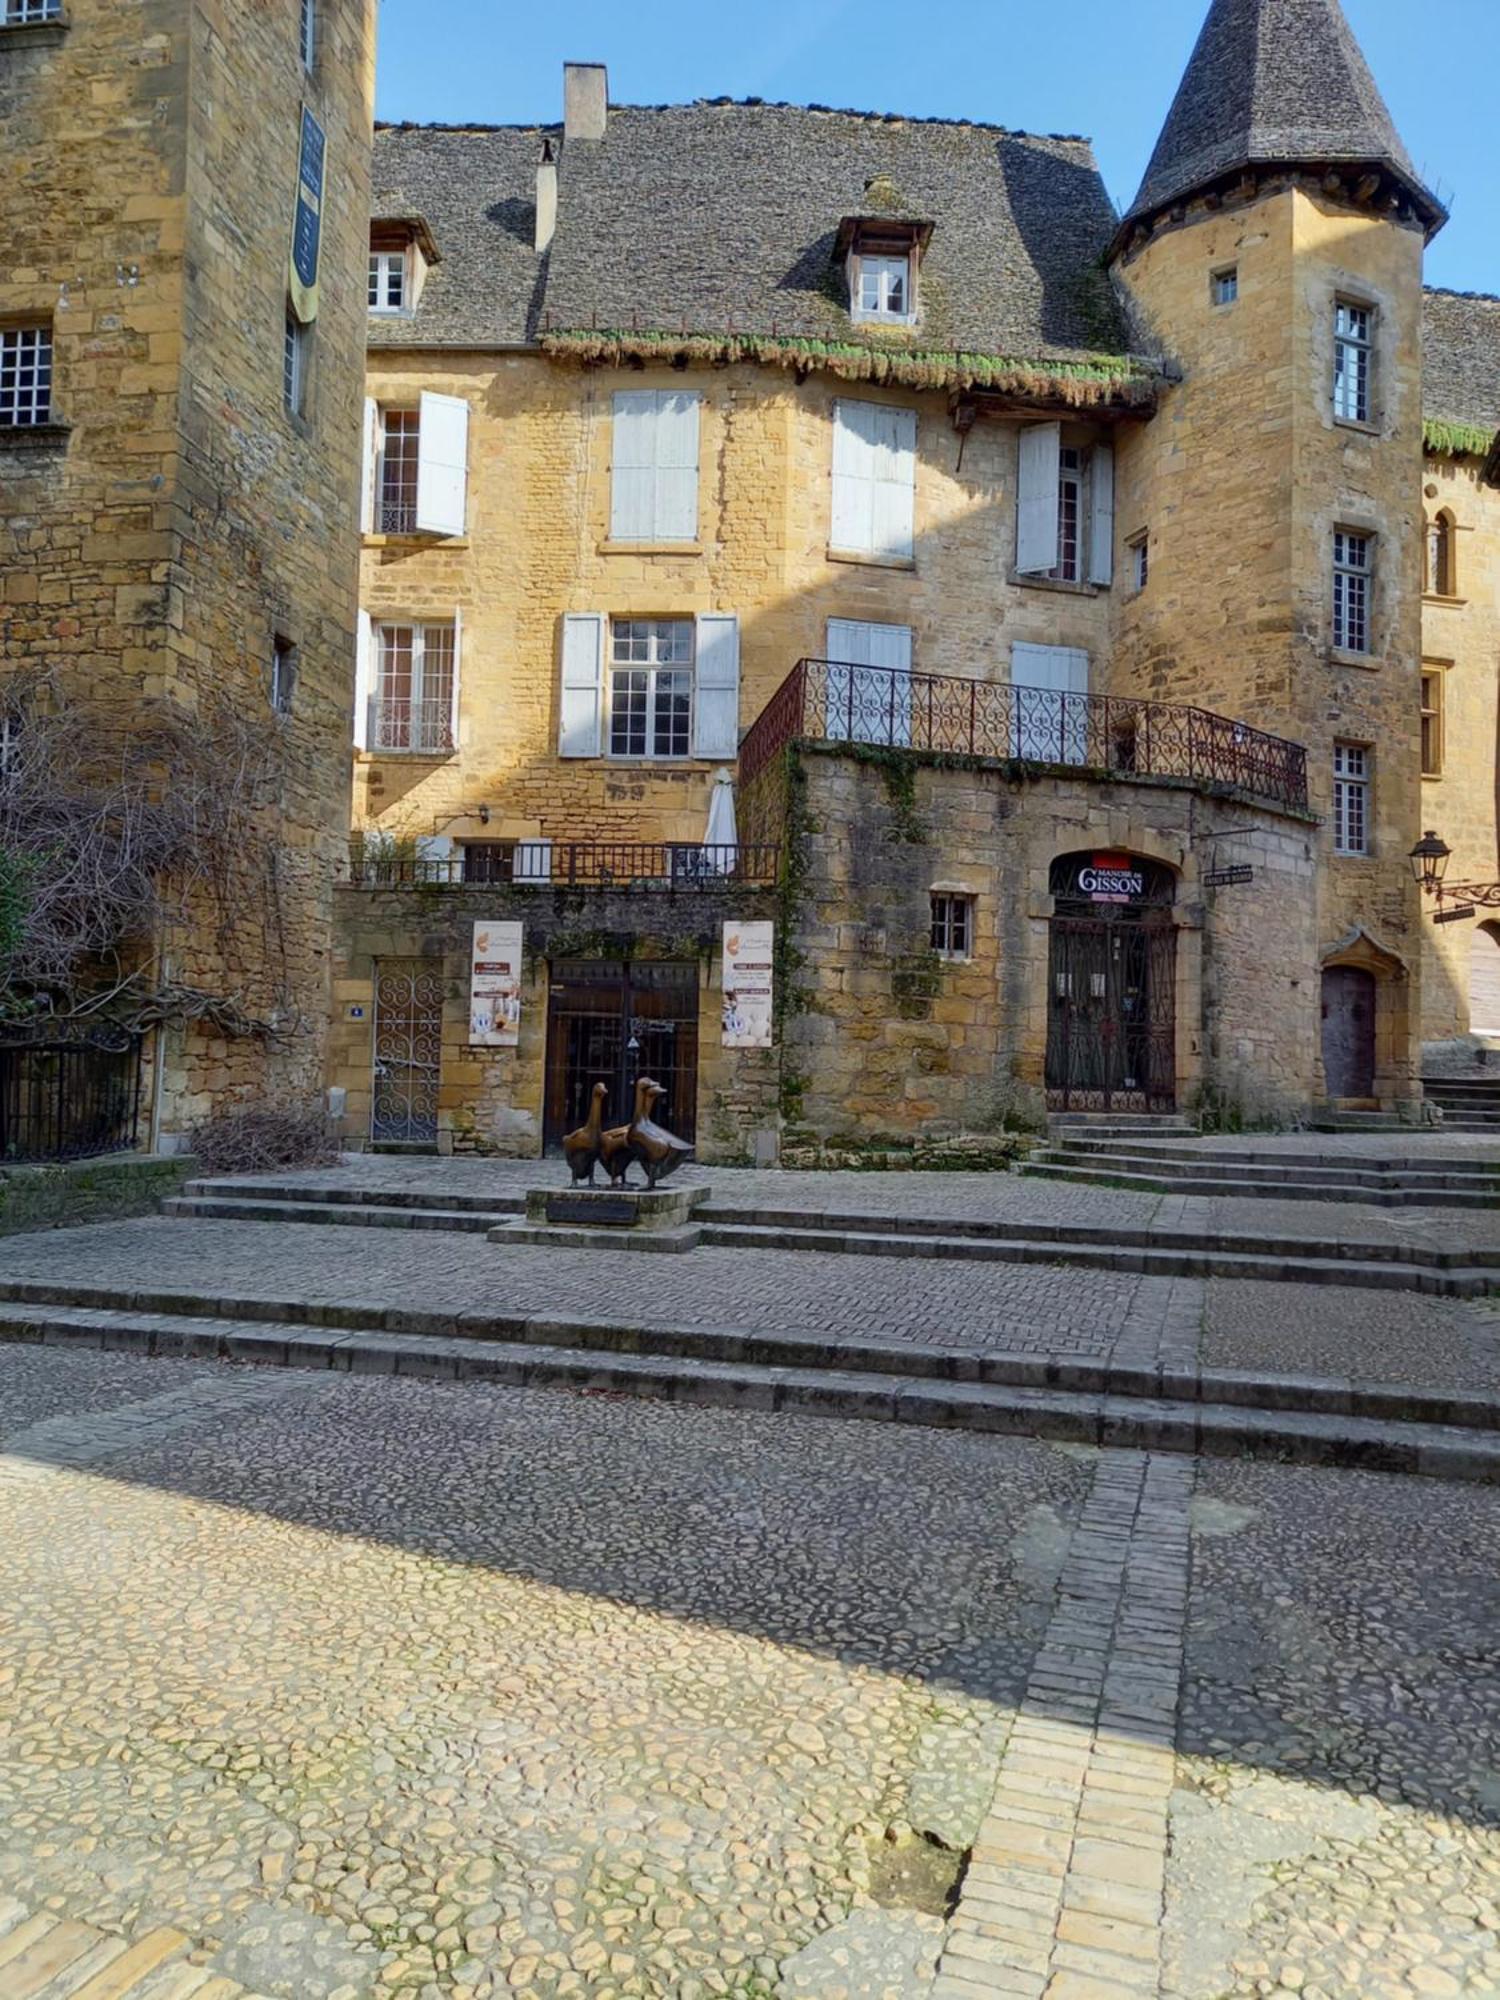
{"type": "Point", "coordinates": [747, 985]}
{"type": "Point", "coordinates": [307, 221]}
{"type": "Point", "coordinates": [495, 987]}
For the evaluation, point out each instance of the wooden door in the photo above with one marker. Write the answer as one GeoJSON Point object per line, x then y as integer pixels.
{"type": "Point", "coordinates": [1349, 1031]}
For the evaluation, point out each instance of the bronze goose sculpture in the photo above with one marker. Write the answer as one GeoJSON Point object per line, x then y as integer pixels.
{"type": "Point", "coordinates": [581, 1148]}
{"type": "Point", "coordinates": [659, 1151]}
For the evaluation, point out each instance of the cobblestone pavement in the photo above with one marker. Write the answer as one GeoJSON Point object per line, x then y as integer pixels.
{"type": "Point", "coordinates": [1335, 1825]}
{"type": "Point", "coordinates": [1331, 1330]}
{"type": "Point", "coordinates": [371, 1686]}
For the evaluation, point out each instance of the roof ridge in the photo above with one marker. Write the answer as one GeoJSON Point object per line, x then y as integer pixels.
{"type": "Point", "coordinates": [1454, 292]}
{"type": "Point", "coordinates": [747, 104]}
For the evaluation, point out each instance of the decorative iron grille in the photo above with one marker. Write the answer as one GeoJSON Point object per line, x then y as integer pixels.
{"type": "Point", "coordinates": [69, 1101]}
{"type": "Point", "coordinates": [586, 864]}
{"type": "Point", "coordinates": [408, 1051]}
{"type": "Point", "coordinates": [1115, 735]}
{"type": "Point", "coordinates": [611, 1021]}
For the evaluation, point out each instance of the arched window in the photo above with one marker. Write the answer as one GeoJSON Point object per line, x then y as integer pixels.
{"type": "Point", "coordinates": [1441, 579]}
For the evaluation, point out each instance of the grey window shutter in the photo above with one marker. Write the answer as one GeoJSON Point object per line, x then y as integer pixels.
{"type": "Point", "coordinates": [364, 680]}
{"type": "Point", "coordinates": [1039, 459]}
{"type": "Point", "coordinates": [716, 717]}
{"type": "Point", "coordinates": [582, 684]}
{"type": "Point", "coordinates": [1102, 515]}
{"type": "Point", "coordinates": [632, 479]}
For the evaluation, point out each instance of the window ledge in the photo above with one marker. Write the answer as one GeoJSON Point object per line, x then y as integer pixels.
{"type": "Point", "coordinates": [1359, 426]}
{"type": "Point", "coordinates": [1437, 597]}
{"type": "Point", "coordinates": [418, 538]}
{"type": "Point", "coordinates": [1431, 777]}
{"type": "Point", "coordinates": [1028, 582]}
{"type": "Point", "coordinates": [33, 437]}
{"type": "Point", "coordinates": [871, 560]}
{"type": "Point", "coordinates": [1367, 662]}
{"type": "Point", "coordinates": [33, 34]}
{"type": "Point", "coordinates": [650, 548]}
{"type": "Point", "coordinates": [409, 756]}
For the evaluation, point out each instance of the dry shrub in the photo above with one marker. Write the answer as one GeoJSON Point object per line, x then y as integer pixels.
{"type": "Point", "coordinates": [265, 1138]}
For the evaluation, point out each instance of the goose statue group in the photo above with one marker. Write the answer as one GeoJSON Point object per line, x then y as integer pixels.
{"type": "Point", "coordinates": [642, 1142]}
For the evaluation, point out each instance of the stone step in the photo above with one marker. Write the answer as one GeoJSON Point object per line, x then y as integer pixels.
{"type": "Point", "coordinates": [1149, 1178]}
{"type": "Point", "coordinates": [1453, 1169]}
{"type": "Point", "coordinates": [1310, 1420]}
{"type": "Point", "coordinates": [1106, 1124]}
{"type": "Point", "coordinates": [240, 1187]}
{"type": "Point", "coordinates": [369, 1215]}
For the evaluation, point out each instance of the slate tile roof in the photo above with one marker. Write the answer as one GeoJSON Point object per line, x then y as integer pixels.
{"type": "Point", "coordinates": [1461, 358]}
{"type": "Point", "coordinates": [1272, 82]}
{"type": "Point", "coordinates": [716, 217]}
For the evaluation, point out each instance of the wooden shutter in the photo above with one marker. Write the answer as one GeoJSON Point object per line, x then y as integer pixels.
{"type": "Point", "coordinates": [364, 680]}
{"type": "Point", "coordinates": [533, 862]}
{"type": "Point", "coordinates": [1046, 727]}
{"type": "Point", "coordinates": [894, 478]}
{"type": "Point", "coordinates": [676, 466]}
{"type": "Point", "coordinates": [716, 710]}
{"type": "Point", "coordinates": [632, 486]}
{"type": "Point", "coordinates": [853, 526]}
{"type": "Point", "coordinates": [582, 684]}
{"type": "Point", "coordinates": [1039, 464]}
{"type": "Point", "coordinates": [1064, 669]}
{"type": "Point", "coordinates": [442, 464]}
{"type": "Point", "coordinates": [367, 474]}
{"type": "Point", "coordinates": [1102, 515]}
{"type": "Point", "coordinates": [458, 635]}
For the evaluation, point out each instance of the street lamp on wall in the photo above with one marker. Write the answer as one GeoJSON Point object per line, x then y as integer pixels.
{"type": "Point", "coordinates": [1429, 863]}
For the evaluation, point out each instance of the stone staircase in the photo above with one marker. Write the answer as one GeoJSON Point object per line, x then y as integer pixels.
{"type": "Point", "coordinates": [1380, 1426]}
{"type": "Point", "coordinates": [1156, 1250]}
{"type": "Point", "coordinates": [1468, 1103]}
{"type": "Point", "coordinates": [1150, 1166]}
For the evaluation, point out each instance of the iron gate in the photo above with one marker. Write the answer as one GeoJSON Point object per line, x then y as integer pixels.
{"type": "Point", "coordinates": [408, 1051]}
{"type": "Point", "coordinates": [610, 1021]}
{"type": "Point", "coordinates": [69, 1101]}
{"type": "Point", "coordinates": [1111, 986]}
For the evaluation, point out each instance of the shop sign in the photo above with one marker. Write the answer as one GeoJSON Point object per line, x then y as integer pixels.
{"type": "Point", "coordinates": [1226, 878]}
{"type": "Point", "coordinates": [1460, 913]}
{"type": "Point", "coordinates": [746, 985]}
{"type": "Point", "coordinates": [1109, 878]}
{"type": "Point", "coordinates": [307, 219]}
{"type": "Point", "coordinates": [495, 987]}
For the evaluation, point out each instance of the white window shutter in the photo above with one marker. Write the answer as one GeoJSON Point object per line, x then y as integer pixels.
{"type": "Point", "coordinates": [853, 525]}
{"type": "Point", "coordinates": [1040, 463]}
{"type": "Point", "coordinates": [367, 473]}
{"type": "Point", "coordinates": [676, 466]}
{"type": "Point", "coordinates": [458, 653]}
{"type": "Point", "coordinates": [1102, 515]}
{"type": "Point", "coordinates": [582, 684]}
{"type": "Point", "coordinates": [632, 486]}
{"type": "Point", "coordinates": [716, 718]}
{"type": "Point", "coordinates": [533, 863]}
{"type": "Point", "coordinates": [364, 680]}
{"type": "Point", "coordinates": [894, 486]}
{"type": "Point", "coordinates": [1064, 669]}
{"type": "Point", "coordinates": [442, 464]}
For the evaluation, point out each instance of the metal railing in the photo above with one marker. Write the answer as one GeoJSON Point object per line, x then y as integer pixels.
{"type": "Point", "coordinates": [832, 701]}
{"type": "Point", "coordinates": [422, 726]}
{"type": "Point", "coordinates": [69, 1101]}
{"type": "Point", "coordinates": [585, 864]}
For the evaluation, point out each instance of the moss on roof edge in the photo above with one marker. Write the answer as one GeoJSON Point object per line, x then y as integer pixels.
{"type": "Point", "coordinates": [1444, 439]}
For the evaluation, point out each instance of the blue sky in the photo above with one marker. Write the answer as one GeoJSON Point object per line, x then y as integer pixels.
{"type": "Point", "coordinates": [1088, 66]}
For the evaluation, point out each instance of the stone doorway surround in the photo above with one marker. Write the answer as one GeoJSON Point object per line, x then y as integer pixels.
{"type": "Point", "coordinates": [1391, 1080]}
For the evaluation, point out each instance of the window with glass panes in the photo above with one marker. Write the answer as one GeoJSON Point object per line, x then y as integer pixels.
{"type": "Point", "coordinates": [651, 687]}
{"type": "Point", "coordinates": [15, 13]}
{"type": "Point", "coordinates": [283, 675]}
{"type": "Point", "coordinates": [25, 376]}
{"type": "Point", "coordinates": [1352, 568]}
{"type": "Point", "coordinates": [387, 280]}
{"type": "Point", "coordinates": [294, 364]}
{"type": "Point", "coordinates": [309, 33]}
{"type": "Point", "coordinates": [414, 688]}
{"type": "Point", "coordinates": [1432, 722]}
{"type": "Point", "coordinates": [1224, 286]}
{"type": "Point", "coordinates": [1351, 798]}
{"type": "Point", "coordinates": [1069, 516]}
{"type": "Point", "coordinates": [1140, 562]}
{"type": "Point", "coordinates": [883, 288]}
{"type": "Point", "coordinates": [953, 926]}
{"type": "Point", "coordinates": [397, 481]}
{"type": "Point", "coordinates": [1353, 345]}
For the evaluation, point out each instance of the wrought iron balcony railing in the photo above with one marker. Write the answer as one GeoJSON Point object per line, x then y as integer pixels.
{"type": "Point", "coordinates": [584, 864]}
{"type": "Point", "coordinates": [832, 701]}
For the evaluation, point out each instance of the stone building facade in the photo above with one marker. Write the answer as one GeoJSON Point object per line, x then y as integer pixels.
{"type": "Point", "coordinates": [180, 489]}
{"type": "Point", "coordinates": [1099, 541]}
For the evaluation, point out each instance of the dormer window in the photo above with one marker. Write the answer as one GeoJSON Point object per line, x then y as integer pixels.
{"type": "Point", "coordinates": [882, 288]}
{"type": "Point", "coordinates": [881, 255]}
{"type": "Point", "coordinates": [387, 281]}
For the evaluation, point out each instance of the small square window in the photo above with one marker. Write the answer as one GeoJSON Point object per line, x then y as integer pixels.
{"type": "Point", "coordinates": [25, 376]}
{"type": "Point", "coordinates": [283, 675]}
{"type": "Point", "coordinates": [1224, 286]}
{"type": "Point", "coordinates": [953, 926]}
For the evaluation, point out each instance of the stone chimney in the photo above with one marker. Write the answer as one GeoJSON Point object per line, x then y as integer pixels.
{"type": "Point", "coordinates": [585, 100]}
{"type": "Point", "coordinates": [546, 197]}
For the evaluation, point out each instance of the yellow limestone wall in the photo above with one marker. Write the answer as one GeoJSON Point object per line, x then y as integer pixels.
{"type": "Point", "coordinates": [1240, 481]}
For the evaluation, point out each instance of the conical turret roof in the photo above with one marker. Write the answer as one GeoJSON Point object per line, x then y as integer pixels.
{"type": "Point", "coordinates": [1275, 83]}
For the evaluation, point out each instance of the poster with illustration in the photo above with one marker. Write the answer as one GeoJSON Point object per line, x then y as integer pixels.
{"type": "Point", "coordinates": [747, 985]}
{"type": "Point", "coordinates": [495, 987]}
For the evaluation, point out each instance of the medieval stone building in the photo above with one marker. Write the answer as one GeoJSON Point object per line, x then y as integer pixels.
{"type": "Point", "coordinates": [854, 626]}
{"type": "Point", "coordinates": [184, 221]}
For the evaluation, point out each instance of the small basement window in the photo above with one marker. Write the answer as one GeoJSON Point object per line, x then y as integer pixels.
{"type": "Point", "coordinates": [952, 925]}
{"type": "Point", "coordinates": [489, 860]}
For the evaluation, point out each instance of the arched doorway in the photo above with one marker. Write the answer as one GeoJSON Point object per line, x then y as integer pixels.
{"type": "Point", "coordinates": [1348, 1031]}
{"type": "Point", "coordinates": [1111, 985]}
{"type": "Point", "coordinates": [1484, 980]}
